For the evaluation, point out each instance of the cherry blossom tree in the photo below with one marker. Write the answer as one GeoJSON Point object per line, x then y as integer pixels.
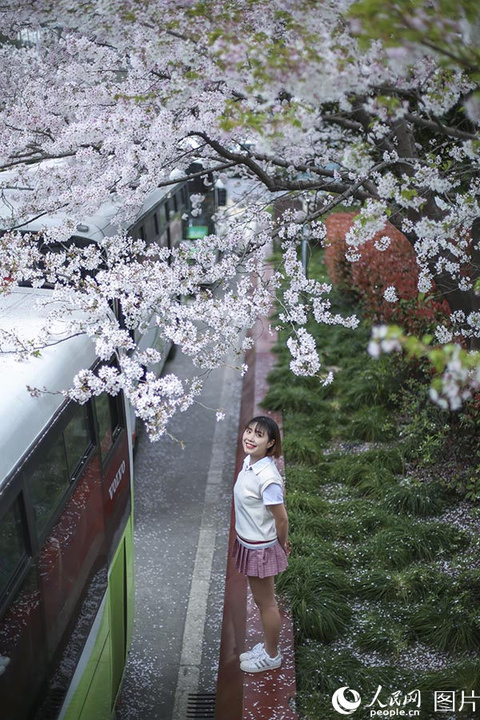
{"type": "Point", "coordinates": [108, 100]}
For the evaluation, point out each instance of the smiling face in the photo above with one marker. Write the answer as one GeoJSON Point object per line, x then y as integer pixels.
{"type": "Point", "coordinates": [256, 442]}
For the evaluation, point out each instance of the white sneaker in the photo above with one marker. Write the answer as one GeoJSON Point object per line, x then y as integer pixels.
{"type": "Point", "coordinates": [261, 663]}
{"type": "Point", "coordinates": [250, 654]}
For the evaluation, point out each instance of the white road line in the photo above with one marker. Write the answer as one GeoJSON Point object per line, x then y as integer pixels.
{"type": "Point", "coordinates": [191, 656]}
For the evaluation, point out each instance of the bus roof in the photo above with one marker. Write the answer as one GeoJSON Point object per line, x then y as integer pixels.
{"type": "Point", "coordinates": [93, 227]}
{"type": "Point", "coordinates": [23, 417]}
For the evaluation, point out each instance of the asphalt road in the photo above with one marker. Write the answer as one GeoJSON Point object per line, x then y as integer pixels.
{"type": "Point", "coordinates": [182, 512]}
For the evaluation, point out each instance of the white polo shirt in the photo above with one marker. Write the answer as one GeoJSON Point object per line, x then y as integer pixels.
{"type": "Point", "coordinates": [254, 521]}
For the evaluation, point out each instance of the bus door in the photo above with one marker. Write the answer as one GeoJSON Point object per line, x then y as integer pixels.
{"type": "Point", "coordinates": [175, 221]}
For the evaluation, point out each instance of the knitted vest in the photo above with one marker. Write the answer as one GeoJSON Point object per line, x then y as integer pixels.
{"type": "Point", "coordinates": [253, 520]}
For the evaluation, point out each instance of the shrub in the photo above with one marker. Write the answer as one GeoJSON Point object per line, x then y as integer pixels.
{"type": "Point", "coordinates": [376, 270]}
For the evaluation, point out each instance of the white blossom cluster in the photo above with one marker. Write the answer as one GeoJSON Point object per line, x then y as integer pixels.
{"type": "Point", "coordinates": [302, 297]}
{"type": "Point", "coordinates": [370, 221]}
{"type": "Point", "coordinates": [390, 294]}
{"type": "Point", "coordinates": [107, 106]}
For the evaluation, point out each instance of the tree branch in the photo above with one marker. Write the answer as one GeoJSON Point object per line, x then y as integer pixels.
{"type": "Point", "coordinates": [437, 126]}
{"type": "Point", "coordinates": [275, 184]}
{"type": "Point", "coordinates": [343, 122]}
{"type": "Point", "coordinates": [201, 173]}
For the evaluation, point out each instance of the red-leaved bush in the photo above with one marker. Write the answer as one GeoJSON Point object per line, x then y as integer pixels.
{"type": "Point", "coordinates": [377, 270]}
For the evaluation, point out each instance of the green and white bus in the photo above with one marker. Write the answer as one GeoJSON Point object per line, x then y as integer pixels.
{"type": "Point", "coordinates": [66, 558]}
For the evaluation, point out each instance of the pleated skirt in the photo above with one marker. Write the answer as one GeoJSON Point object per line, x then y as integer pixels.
{"type": "Point", "coordinates": [262, 562]}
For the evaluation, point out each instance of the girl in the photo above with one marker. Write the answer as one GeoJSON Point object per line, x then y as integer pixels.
{"type": "Point", "coordinates": [261, 523]}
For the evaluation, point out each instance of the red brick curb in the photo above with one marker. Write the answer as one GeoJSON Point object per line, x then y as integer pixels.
{"type": "Point", "coordinates": [269, 695]}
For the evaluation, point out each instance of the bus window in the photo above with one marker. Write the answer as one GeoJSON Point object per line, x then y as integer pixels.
{"type": "Point", "coordinates": [162, 216]}
{"type": "Point", "coordinates": [59, 248]}
{"type": "Point", "coordinates": [55, 462]}
{"type": "Point", "coordinates": [221, 196]}
{"type": "Point", "coordinates": [183, 199]}
{"type": "Point", "coordinates": [48, 479]}
{"type": "Point", "coordinates": [108, 417]}
{"type": "Point", "coordinates": [151, 227]}
{"type": "Point", "coordinates": [77, 438]}
{"type": "Point", "coordinates": [12, 545]}
{"type": "Point", "coordinates": [70, 562]}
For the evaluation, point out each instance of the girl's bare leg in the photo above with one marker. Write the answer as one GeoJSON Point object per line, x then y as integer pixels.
{"type": "Point", "coordinates": [263, 591]}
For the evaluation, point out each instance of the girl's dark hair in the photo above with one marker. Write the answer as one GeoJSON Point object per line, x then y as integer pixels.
{"type": "Point", "coordinates": [265, 423]}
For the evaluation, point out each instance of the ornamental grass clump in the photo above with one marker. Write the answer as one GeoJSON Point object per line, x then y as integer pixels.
{"type": "Point", "coordinates": [309, 479]}
{"type": "Point", "coordinates": [382, 632]}
{"type": "Point", "coordinates": [411, 584]}
{"type": "Point", "coordinates": [408, 542]}
{"type": "Point", "coordinates": [373, 384]}
{"type": "Point", "coordinates": [320, 615]}
{"type": "Point", "coordinates": [448, 624]}
{"type": "Point", "coordinates": [416, 498]}
{"type": "Point", "coordinates": [371, 423]}
{"type": "Point", "coordinates": [294, 397]}
{"type": "Point", "coordinates": [304, 446]}
{"type": "Point", "coordinates": [367, 480]}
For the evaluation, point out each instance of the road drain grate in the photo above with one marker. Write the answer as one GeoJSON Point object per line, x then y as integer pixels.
{"type": "Point", "coordinates": [200, 706]}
